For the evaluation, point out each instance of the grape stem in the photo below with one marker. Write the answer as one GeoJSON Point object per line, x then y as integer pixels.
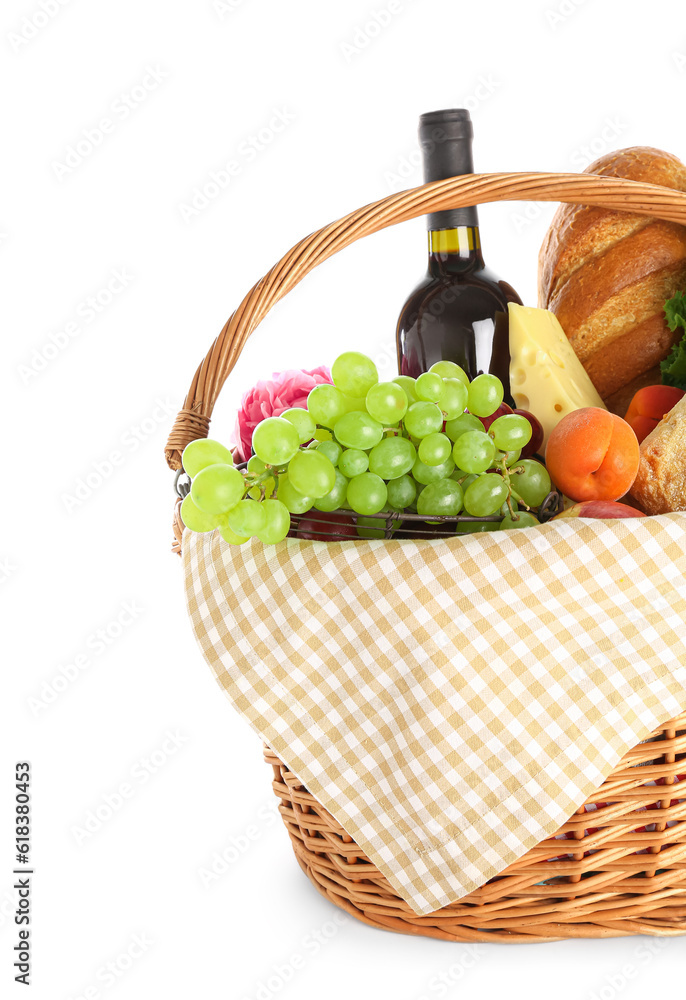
{"type": "Point", "coordinates": [519, 500]}
{"type": "Point", "coordinates": [511, 492]}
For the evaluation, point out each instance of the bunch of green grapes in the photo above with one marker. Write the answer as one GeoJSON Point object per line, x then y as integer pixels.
{"type": "Point", "coordinates": [424, 445]}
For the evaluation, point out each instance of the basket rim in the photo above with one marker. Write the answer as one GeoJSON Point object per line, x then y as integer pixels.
{"type": "Point", "coordinates": [612, 193]}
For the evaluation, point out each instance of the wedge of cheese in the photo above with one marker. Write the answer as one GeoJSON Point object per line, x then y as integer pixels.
{"type": "Point", "coordinates": [546, 377]}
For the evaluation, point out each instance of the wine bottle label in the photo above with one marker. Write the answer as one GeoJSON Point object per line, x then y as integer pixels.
{"type": "Point", "coordinates": [461, 240]}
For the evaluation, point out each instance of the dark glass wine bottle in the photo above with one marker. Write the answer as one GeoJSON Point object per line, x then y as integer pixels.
{"type": "Point", "coordinates": [459, 311]}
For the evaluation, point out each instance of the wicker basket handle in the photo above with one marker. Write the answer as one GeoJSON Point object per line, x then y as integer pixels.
{"type": "Point", "coordinates": [193, 420]}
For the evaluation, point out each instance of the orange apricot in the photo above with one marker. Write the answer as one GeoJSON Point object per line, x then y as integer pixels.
{"type": "Point", "coordinates": [649, 406]}
{"type": "Point", "coordinates": [592, 454]}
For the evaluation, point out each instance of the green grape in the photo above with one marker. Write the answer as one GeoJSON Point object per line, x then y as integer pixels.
{"type": "Point", "coordinates": [423, 418]}
{"type": "Point", "coordinates": [460, 425]}
{"type": "Point", "coordinates": [367, 493]}
{"type": "Point", "coordinates": [277, 522]}
{"type": "Point", "coordinates": [353, 462]}
{"type": "Point", "coordinates": [533, 483]}
{"type": "Point", "coordinates": [354, 403]}
{"type": "Point", "coordinates": [199, 454]}
{"type": "Point", "coordinates": [295, 502]}
{"type": "Point", "coordinates": [474, 451]}
{"type": "Point", "coordinates": [510, 431]}
{"type": "Point", "coordinates": [372, 527]}
{"type": "Point", "coordinates": [392, 457]}
{"type": "Point", "coordinates": [358, 430]}
{"type": "Point", "coordinates": [387, 402]}
{"type": "Point", "coordinates": [325, 404]}
{"type": "Point", "coordinates": [247, 518]}
{"type": "Point", "coordinates": [256, 466]}
{"type": "Point", "coordinates": [485, 395]}
{"type": "Point", "coordinates": [448, 369]}
{"type": "Point", "coordinates": [522, 519]}
{"type": "Point", "coordinates": [269, 485]}
{"type": "Point", "coordinates": [196, 519]}
{"type": "Point", "coordinates": [231, 537]}
{"type": "Point", "coordinates": [312, 474]}
{"type": "Point", "coordinates": [441, 499]}
{"type": "Point", "coordinates": [337, 497]}
{"type": "Point", "coordinates": [463, 479]}
{"type": "Point", "coordinates": [331, 449]}
{"type": "Point", "coordinates": [401, 492]}
{"type": "Point", "coordinates": [429, 387]}
{"type": "Point", "coordinates": [476, 527]}
{"type": "Point", "coordinates": [321, 434]}
{"type": "Point", "coordinates": [354, 373]}
{"type": "Point", "coordinates": [217, 488]}
{"type": "Point", "coordinates": [275, 441]}
{"type": "Point", "coordinates": [303, 422]}
{"type": "Point", "coordinates": [434, 449]}
{"type": "Point", "coordinates": [408, 386]}
{"type": "Point", "coordinates": [485, 495]}
{"type": "Point", "coordinates": [426, 474]}
{"type": "Point", "coordinates": [510, 457]}
{"type": "Point", "coordinates": [505, 510]}
{"type": "Point", "coordinates": [453, 398]}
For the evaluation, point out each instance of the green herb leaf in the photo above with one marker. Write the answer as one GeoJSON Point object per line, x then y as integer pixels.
{"type": "Point", "coordinates": [673, 368]}
{"type": "Point", "coordinates": [675, 311]}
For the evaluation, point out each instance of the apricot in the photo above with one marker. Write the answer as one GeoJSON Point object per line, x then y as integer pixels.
{"type": "Point", "coordinates": [592, 454]}
{"type": "Point", "coordinates": [649, 406]}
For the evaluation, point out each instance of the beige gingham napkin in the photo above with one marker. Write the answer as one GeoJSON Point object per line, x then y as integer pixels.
{"type": "Point", "coordinates": [450, 702]}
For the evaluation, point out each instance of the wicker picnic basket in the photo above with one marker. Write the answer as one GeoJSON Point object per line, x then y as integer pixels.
{"type": "Point", "coordinates": [618, 866]}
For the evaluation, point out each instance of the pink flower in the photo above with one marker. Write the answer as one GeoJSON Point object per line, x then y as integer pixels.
{"type": "Point", "coordinates": [270, 397]}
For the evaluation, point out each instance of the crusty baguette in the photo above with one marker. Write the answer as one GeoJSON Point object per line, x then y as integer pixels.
{"type": "Point", "coordinates": [660, 486]}
{"type": "Point", "coordinates": [606, 275]}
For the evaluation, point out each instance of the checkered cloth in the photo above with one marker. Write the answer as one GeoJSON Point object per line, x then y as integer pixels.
{"type": "Point", "coordinates": [450, 702]}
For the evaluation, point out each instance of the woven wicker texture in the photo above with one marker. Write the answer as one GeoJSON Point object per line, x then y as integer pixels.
{"type": "Point", "coordinates": [450, 702]}
{"type": "Point", "coordinates": [612, 883]}
{"type": "Point", "coordinates": [607, 192]}
{"type": "Point", "coordinates": [623, 873]}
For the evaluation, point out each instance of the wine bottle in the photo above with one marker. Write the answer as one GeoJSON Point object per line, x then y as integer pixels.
{"type": "Point", "coordinates": [458, 312]}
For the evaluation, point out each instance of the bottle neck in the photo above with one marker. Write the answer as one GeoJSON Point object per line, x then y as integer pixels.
{"type": "Point", "coordinates": [454, 251]}
{"type": "Point", "coordinates": [445, 138]}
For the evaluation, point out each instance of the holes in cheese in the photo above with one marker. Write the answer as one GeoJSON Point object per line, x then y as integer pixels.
{"type": "Point", "coordinates": [546, 377]}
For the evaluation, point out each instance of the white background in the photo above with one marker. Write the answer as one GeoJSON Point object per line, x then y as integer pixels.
{"type": "Point", "coordinates": [551, 84]}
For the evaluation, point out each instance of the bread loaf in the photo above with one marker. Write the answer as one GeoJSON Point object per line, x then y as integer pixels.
{"type": "Point", "coordinates": [606, 275]}
{"type": "Point", "coordinates": [660, 486]}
